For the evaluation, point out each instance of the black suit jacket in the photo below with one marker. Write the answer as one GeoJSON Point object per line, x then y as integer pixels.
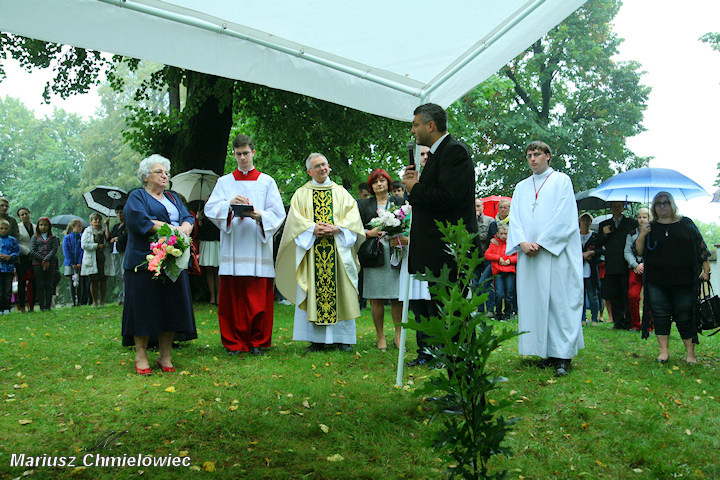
{"type": "Point", "coordinates": [446, 192]}
{"type": "Point", "coordinates": [614, 244]}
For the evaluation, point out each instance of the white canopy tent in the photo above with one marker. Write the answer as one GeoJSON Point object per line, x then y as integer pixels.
{"type": "Point", "coordinates": [378, 56]}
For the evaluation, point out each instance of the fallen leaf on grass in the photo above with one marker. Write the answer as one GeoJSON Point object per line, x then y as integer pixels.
{"type": "Point", "coordinates": [284, 412]}
{"type": "Point", "coordinates": [78, 367]}
{"type": "Point", "coordinates": [585, 426]}
{"type": "Point", "coordinates": [324, 428]}
{"type": "Point", "coordinates": [24, 422]}
{"type": "Point", "coordinates": [232, 408]}
{"type": "Point", "coordinates": [688, 432]}
{"type": "Point", "coordinates": [306, 404]}
{"type": "Point", "coordinates": [183, 453]}
{"type": "Point", "coordinates": [170, 389]}
{"type": "Point", "coordinates": [599, 463]}
{"type": "Point", "coordinates": [209, 466]}
{"type": "Point", "coordinates": [637, 470]}
{"type": "Point", "coordinates": [335, 458]}
{"type": "Point", "coordinates": [195, 467]}
{"type": "Point", "coordinates": [22, 385]}
{"type": "Point", "coordinates": [89, 377]}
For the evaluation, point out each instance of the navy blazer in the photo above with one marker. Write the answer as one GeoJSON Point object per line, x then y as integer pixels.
{"type": "Point", "coordinates": [445, 192]}
{"type": "Point", "coordinates": [140, 210]}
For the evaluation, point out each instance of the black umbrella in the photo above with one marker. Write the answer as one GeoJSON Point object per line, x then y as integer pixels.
{"type": "Point", "coordinates": [62, 221]}
{"type": "Point", "coordinates": [586, 202]}
{"type": "Point", "coordinates": [104, 199]}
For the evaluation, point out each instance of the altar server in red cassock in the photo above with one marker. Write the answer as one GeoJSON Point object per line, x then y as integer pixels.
{"type": "Point", "coordinates": [245, 302]}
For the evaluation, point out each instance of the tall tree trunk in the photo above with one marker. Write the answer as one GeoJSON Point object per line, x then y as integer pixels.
{"type": "Point", "coordinates": [202, 142]}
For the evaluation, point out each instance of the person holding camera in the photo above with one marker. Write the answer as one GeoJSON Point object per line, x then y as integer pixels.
{"type": "Point", "coordinates": [247, 208]}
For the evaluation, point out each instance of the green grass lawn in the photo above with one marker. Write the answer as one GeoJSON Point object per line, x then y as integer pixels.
{"type": "Point", "coordinates": [66, 380]}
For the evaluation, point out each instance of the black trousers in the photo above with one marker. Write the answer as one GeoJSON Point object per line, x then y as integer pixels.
{"type": "Point", "coordinates": [422, 309]}
{"type": "Point", "coordinates": [615, 289]}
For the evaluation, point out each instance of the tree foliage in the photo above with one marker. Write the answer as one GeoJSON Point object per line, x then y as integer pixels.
{"type": "Point", "coordinates": [76, 69]}
{"type": "Point", "coordinates": [287, 127]}
{"type": "Point", "coordinates": [566, 90]}
{"type": "Point", "coordinates": [710, 233]}
{"type": "Point", "coordinates": [712, 39]}
{"type": "Point", "coordinates": [42, 160]}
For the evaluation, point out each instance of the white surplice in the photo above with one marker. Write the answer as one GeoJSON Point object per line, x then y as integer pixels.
{"type": "Point", "coordinates": [246, 247]}
{"type": "Point", "coordinates": [550, 284]}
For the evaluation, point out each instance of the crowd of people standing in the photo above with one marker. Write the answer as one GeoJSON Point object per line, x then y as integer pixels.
{"type": "Point", "coordinates": [538, 265]}
{"type": "Point", "coordinates": [32, 276]}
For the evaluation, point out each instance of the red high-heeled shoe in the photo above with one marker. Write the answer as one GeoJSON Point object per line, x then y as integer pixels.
{"type": "Point", "coordinates": [143, 371]}
{"type": "Point", "coordinates": [165, 369]}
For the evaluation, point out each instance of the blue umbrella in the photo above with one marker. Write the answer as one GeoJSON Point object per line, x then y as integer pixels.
{"type": "Point", "coordinates": [642, 184]}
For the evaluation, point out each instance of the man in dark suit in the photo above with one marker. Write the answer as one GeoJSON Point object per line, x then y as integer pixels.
{"type": "Point", "coordinates": [444, 192]}
{"type": "Point", "coordinates": [614, 287]}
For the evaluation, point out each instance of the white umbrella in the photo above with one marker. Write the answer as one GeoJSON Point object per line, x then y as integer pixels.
{"type": "Point", "coordinates": [378, 56]}
{"type": "Point", "coordinates": [195, 184]}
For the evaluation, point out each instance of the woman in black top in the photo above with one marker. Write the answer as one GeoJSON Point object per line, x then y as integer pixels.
{"type": "Point", "coordinates": [676, 259]}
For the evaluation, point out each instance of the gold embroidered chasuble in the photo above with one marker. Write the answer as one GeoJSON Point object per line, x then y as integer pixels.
{"type": "Point", "coordinates": [327, 273]}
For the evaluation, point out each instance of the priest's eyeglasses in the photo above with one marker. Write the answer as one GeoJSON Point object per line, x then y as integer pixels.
{"type": "Point", "coordinates": [319, 166]}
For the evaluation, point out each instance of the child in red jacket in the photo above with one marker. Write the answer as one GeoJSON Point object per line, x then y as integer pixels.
{"type": "Point", "coordinates": [503, 267]}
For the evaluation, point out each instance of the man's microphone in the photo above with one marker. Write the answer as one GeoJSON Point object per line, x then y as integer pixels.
{"type": "Point", "coordinates": [411, 152]}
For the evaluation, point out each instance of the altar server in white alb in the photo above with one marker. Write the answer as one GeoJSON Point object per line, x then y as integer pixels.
{"type": "Point", "coordinates": [544, 233]}
{"type": "Point", "coordinates": [245, 302]}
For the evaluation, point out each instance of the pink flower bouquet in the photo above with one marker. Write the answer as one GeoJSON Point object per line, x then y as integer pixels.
{"type": "Point", "coordinates": [170, 253]}
{"type": "Point", "coordinates": [394, 223]}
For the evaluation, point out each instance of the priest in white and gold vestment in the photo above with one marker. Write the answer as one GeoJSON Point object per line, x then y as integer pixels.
{"type": "Point", "coordinates": [317, 266]}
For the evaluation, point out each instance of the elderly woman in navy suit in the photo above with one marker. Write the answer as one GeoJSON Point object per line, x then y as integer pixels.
{"type": "Point", "coordinates": [154, 307]}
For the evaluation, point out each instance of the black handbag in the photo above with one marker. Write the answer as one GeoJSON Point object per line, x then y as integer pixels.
{"type": "Point", "coordinates": [370, 253]}
{"type": "Point", "coordinates": [708, 308]}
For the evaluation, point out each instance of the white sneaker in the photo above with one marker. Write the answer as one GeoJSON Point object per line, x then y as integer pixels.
{"type": "Point", "coordinates": [284, 302]}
